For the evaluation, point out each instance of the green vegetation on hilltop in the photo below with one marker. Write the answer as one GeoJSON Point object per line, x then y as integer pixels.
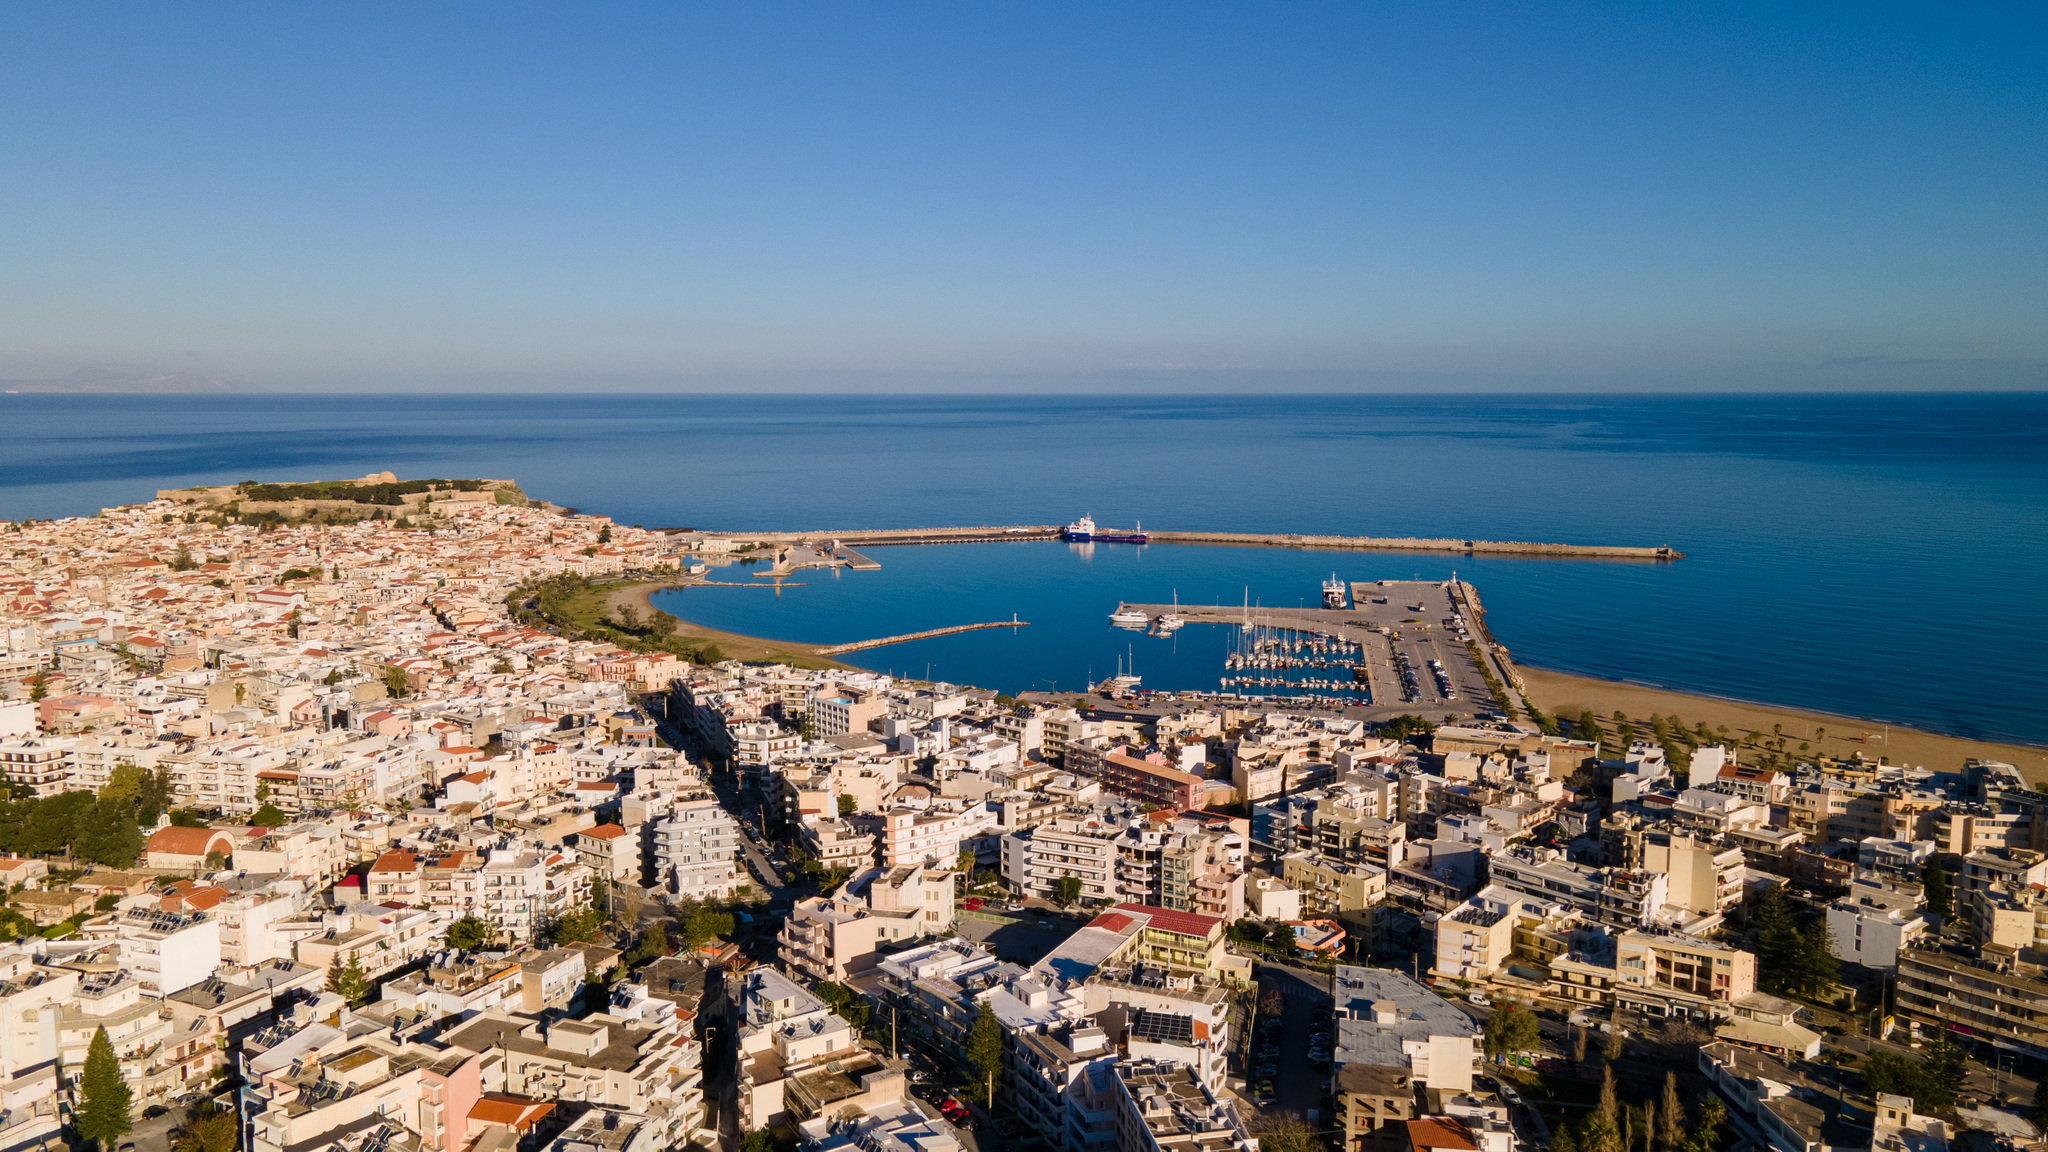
{"type": "Point", "coordinates": [352, 492]}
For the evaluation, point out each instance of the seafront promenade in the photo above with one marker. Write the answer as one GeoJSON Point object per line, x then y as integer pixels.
{"type": "Point", "coordinates": [985, 533]}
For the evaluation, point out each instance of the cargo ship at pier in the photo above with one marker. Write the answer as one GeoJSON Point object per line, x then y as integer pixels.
{"type": "Point", "coordinates": [1085, 530]}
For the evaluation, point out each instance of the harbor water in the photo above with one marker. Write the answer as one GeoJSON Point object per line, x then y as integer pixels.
{"type": "Point", "coordinates": [1873, 555]}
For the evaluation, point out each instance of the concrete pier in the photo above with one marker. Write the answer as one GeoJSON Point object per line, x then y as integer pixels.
{"type": "Point", "coordinates": [861, 645]}
{"type": "Point", "coordinates": [987, 533]}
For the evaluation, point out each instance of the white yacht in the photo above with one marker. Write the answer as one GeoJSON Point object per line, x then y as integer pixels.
{"type": "Point", "coordinates": [1170, 620]}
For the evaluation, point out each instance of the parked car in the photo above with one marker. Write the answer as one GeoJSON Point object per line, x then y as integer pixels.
{"type": "Point", "coordinates": [1479, 998]}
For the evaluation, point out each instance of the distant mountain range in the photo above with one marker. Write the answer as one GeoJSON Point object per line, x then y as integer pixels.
{"type": "Point", "coordinates": [101, 380]}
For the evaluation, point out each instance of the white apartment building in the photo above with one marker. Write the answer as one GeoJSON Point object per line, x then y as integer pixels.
{"type": "Point", "coordinates": [694, 850]}
{"type": "Point", "coordinates": [168, 951]}
{"type": "Point", "coordinates": [1873, 922]}
{"type": "Point", "coordinates": [42, 765]}
{"type": "Point", "coordinates": [93, 759]}
{"type": "Point", "coordinates": [1081, 844]}
{"type": "Point", "coordinates": [931, 836]}
{"type": "Point", "coordinates": [763, 742]}
{"type": "Point", "coordinates": [225, 774]}
{"type": "Point", "coordinates": [837, 713]}
{"type": "Point", "coordinates": [257, 927]}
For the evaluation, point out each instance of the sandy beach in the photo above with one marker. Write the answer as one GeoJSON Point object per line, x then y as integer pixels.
{"type": "Point", "coordinates": [734, 646]}
{"type": "Point", "coordinates": [1843, 735]}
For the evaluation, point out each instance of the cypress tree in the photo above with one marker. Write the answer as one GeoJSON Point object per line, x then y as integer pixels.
{"type": "Point", "coordinates": [103, 1096]}
{"type": "Point", "coordinates": [1934, 887]}
{"type": "Point", "coordinates": [1671, 1116]}
{"type": "Point", "coordinates": [351, 983]}
{"type": "Point", "coordinates": [985, 1051]}
{"type": "Point", "coordinates": [1818, 968]}
{"type": "Point", "coordinates": [1777, 939]}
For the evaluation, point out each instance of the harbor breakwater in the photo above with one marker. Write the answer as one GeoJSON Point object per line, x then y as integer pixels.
{"type": "Point", "coordinates": [1240, 539]}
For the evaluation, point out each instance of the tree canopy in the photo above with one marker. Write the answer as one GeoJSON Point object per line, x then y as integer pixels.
{"type": "Point", "coordinates": [104, 1098]}
{"type": "Point", "coordinates": [469, 933]}
{"type": "Point", "coordinates": [578, 927]}
{"type": "Point", "coordinates": [1510, 1030]}
{"type": "Point", "coordinates": [1066, 889]}
{"type": "Point", "coordinates": [1932, 1081]}
{"type": "Point", "coordinates": [705, 926]}
{"type": "Point", "coordinates": [101, 831]}
{"type": "Point", "coordinates": [217, 1130]}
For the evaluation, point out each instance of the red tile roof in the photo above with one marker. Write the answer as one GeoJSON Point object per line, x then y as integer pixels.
{"type": "Point", "coordinates": [1439, 1132]}
{"type": "Point", "coordinates": [190, 841]}
{"type": "Point", "coordinates": [511, 1111]}
{"type": "Point", "coordinates": [1169, 920]}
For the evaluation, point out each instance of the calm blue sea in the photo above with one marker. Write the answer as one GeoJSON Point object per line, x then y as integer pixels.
{"type": "Point", "coordinates": [1881, 556]}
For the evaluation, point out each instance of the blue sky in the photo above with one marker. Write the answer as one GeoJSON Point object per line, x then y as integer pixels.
{"type": "Point", "coordinates": [996, 196]}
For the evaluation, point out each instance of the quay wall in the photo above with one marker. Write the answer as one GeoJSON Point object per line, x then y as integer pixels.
{"type": "Point", "coordinates": [1244, 539]}
{"type": "Point", "coordinates": [1418, 544]}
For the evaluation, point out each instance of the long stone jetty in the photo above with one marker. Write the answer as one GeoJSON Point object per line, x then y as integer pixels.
{"type": "Point", "coordinates": [1418, 544]}
{"type": "Point", "coordinates": [1239, 539]}
{"type": "Point", "coordinates": [884, 642]}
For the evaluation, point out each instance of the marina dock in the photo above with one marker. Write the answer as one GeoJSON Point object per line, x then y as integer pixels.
{"type": "Point", "coordinates": [1405, 645]}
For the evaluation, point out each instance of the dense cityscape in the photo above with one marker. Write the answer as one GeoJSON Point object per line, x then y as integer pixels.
{"type": "Point", "coordinates": [359, 816]}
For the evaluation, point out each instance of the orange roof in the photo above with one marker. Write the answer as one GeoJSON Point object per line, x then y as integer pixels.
{"type": "Point", "coordinates": [187, 897]}
{"type": "Point", "coordinates": [190, 841]}
{"type": "Point", "coordinates": [1170, 920]}
{"type": "Point", "coordinates": [396, 861]}
{"type": "Point", "coordinates": [1439, 1132]}
{"type": "Point", "coordinates": [1114, 921]}
{"type": "Point", "coordinates": [511, 1111]}
{"type": "Point", "coordinates": [605, 832]}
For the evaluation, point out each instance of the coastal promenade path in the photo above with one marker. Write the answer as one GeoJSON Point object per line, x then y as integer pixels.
{"type": "Point", "coordinates": [859, 645]}
{"type": "Point", "coordinates": [985, 533]}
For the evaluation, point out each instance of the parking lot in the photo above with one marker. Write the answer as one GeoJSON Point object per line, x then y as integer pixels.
{"type": "Point", "coordinates": [1294, 1056]}
{"type": "Point", "coordinates": [1025, 938]}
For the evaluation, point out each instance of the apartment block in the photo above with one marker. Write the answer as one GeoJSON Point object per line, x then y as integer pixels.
{"type": "Point", "coordinates": [694, 851]}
